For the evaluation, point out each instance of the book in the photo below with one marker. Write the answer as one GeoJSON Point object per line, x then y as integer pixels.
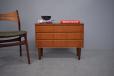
{"type": "Point", "coordinates": [70, 21]}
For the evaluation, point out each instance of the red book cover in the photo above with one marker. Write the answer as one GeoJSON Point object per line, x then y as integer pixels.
{"type": "Point", "coordinates": [70, 21]}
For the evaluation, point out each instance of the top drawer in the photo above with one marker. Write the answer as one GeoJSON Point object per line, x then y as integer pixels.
{"type": "Point", "coordinates": [59, 28]}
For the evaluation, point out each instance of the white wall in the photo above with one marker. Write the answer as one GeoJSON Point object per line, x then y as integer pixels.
{"type": "Point", "coordinates": [113, 24]}
{"type": "Point", "coordinates": [97, 15]}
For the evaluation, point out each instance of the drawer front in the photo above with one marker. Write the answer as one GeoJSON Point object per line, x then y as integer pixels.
{"type": "Point", "coordinates": [59, 36]}
{"type": "Point", "coordinates": [68, 36]}
{"type": "Point", "coordinates": [44, 36]}
{"type": "Point", "coordinates": [59, 43]}
{"type": "Point", "coordinates": [44, 28]}
{"type": "Point", "coordinates": [44, 43]}
{"type": "Point", "coordinates": [59, 28]}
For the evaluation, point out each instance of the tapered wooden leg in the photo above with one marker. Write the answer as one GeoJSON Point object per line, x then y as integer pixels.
{"type": "Point", "coordinates": [27, 50]}
{"type": "Point", "coordinates": [79, 53]}
{"type": "Point", "coordinates": [39, 53]}
{"type": "Point", "coordinates": [20, 47]}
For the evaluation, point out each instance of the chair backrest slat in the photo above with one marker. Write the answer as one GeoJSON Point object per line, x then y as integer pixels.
{"type": "Point", "coordinates": [11, 16]}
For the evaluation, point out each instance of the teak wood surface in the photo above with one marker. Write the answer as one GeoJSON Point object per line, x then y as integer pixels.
{"type": "Point", "coordinates": [59, 36]}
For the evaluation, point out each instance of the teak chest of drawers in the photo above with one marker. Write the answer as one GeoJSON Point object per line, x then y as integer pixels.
{"type": "Point", "coordinates": [59, 36]}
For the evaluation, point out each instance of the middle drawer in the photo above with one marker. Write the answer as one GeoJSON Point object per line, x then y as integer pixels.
{"type": "Point", "coordinates": [59, 36]}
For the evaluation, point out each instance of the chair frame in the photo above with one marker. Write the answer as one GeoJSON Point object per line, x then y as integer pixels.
{"type": "Point", "coordinates": [14, 16]}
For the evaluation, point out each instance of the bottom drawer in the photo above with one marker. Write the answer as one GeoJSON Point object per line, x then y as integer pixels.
{"type": "Point", "coordinates": [59, 43]}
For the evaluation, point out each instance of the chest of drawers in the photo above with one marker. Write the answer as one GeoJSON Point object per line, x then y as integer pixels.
{"type": "Point", "coordinates": [59, 36]}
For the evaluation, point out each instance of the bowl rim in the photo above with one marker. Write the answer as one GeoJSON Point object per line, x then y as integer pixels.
{"type": "Point", "coordinates": [46, 17]}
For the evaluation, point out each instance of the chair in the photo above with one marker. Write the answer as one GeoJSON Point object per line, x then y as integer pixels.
{"type": "Point", "coordinates": [13, 38]}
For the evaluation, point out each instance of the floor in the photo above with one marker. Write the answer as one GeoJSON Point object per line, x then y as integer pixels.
{"type": "Point", "coordinates": [57, 62]}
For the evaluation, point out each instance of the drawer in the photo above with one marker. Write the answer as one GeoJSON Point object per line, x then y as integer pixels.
{"type": "Point", "coordinates": [44, 36]}
{"type": "Point", "coordinates": [68, 36]}
{"type": "Point", "coordinates": [44, 43]}
{"type": "Point", "coordinates": [59, 28]}
{"type": "Point", "coordinates": [59, 43]}
{"type": "Point", "coordinates": [59, 36]}
{"type": "Point", "coordinates": [44, 28]}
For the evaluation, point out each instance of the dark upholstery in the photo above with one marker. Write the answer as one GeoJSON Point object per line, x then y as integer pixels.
{"type": "Point", "coordinates": [11, 33]}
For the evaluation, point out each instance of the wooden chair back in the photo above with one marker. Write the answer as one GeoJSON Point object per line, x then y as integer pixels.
{"type": "Point", "coordinates": [11, 16]}
{"type": "Point", "coordinates": [17, 35]}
